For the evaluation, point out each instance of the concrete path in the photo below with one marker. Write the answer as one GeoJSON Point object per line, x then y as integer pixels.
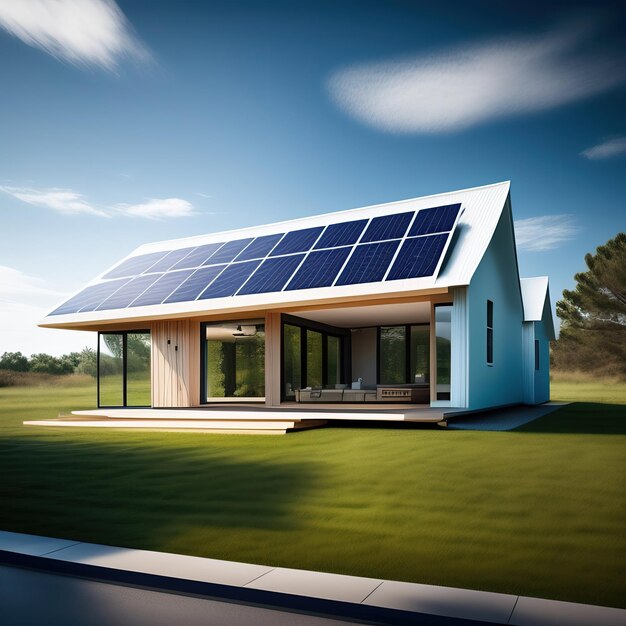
{"type": "Point", "coordinates": [331, 595]}
{"type": "Point", "coordinates": [503, 419]}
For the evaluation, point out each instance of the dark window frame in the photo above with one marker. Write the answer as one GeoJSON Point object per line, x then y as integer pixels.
{"type": "Point", "coordinates": [125, 404]}
{"type": "Point", "coordinates": [407, 350]}
{"type": "Point", "coordinates": [325, 330]}
{"type": "Point", "coordinates": [536, 355]}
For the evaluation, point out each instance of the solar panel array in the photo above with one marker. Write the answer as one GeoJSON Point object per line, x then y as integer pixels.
{"type": "Point", "coordinates": [385, 248]}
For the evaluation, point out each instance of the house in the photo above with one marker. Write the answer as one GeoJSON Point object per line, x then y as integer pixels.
{"type": "Point", "coordinates": [415, 303]}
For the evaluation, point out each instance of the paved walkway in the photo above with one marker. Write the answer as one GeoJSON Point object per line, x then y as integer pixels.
{"type": "Point", "coordinates": [374, 600]}
{"type": "Point", "coordinates": [503, 419]}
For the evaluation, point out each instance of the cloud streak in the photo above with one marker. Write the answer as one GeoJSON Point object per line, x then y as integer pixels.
{"type": "Point", "coordinates": [470, 85]}
{"type": "Point", "coordinates": [70, 202]}
{"type": "Point", "coordinates": [606, 149]}
{"type": "Point", "coordinates": [535, 234]}
{"type": "Point", "coordinates": [85, 32]}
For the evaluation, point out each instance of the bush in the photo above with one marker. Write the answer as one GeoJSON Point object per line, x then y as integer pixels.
{"type": "Point", "coordinates": [14, 361]}
{"type": "Point", "coordinates": [46, 364]}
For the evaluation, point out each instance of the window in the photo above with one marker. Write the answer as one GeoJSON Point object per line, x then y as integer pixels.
{"type": "Point", "coordinates": [489, 332]}
{"type": "Point", "coordinates": [124, 368]}
{"type": "Point", "coordinates": [536, 354]}
{"type": "Point", "coordinates": [443, 350]}
{"type": "Point", "coordinates": [404, 354]}
{"type": "Point", "coordinates": [312, 355]}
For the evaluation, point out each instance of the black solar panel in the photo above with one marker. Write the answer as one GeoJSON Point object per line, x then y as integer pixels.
{"type": "Point", "coordinates": [227, 252]}
{"type": "Point", "coordinates": [198, 256]}
{"type": "Point", "coordinates": [436, 220]}
{"type": "Point", "coordinates": [89, 297]}
{"type": "Point", "coordinates": [368, 263]}
{"type": "Point", "coordinates": [387, 227]}
{"type": "Point", "coordinates": [126, 294]}
{"type": "Point", "coordinates": [320, 269]}
{"type": "Point", "coordinates": [135, 265]}
{"type": "Point", "coordinates": [418, 257]}
{"type": "Point", "coordinates": [259, 248]}
{"type": "Point", "coordinates": [272, 275]}
{"type": "Point", "coordinates": [161, 288]}
{"type": "Point", "coordinates": [298, 241]}
{"type": "Point", "coordinates": [169, 260]}
{"type": "Point", "coordinates": [195, 284]}
{"type": "Point", "coordinates": [230, 280]}
{"type": "Point", "coordinates": [342, 234]}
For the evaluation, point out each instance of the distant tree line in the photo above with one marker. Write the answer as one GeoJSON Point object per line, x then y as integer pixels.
{"type": "Point", "coordinates": [83, 362]}
{"type": "Point", "coordinates": [593, 315]}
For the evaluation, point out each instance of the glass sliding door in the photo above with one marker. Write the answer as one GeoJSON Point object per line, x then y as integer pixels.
{"type": "Point", "coordinates": [419, 368]}
{"type": "Point", "coordinates": [111, 369]}
{"type": "Point", "coordinates": [138, 369]}
{"type": "Point", "coordinates": [292, 360]}
{"type": "Point", "coordinates": [234, 360]}
{"type": "Point", "coordinates": [392, 355]}
{"type": "Point", "coordinates": [314, 360]}
{"type": "Point", "coordinates": [333, 360]}
{"type": "Point", "coordinates": [124, 369]}
{"type": "Point", "coordinates": [443, 354]}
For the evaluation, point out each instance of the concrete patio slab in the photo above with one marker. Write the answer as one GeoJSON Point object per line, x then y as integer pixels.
{"type": "Point", "coordinates": [503, 419]}
{"type": "Point", "coordinates": [538, 612]}
{"type": "Point", "coordinates": [316, 584]}
{"type": "Point", "coordinates": [163, 564]}
{"type": "Point", "coordinates": [446, 601]}
{"type": "Point", "coordinates": [31, 544]}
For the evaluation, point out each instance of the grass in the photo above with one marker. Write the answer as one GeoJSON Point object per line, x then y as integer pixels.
{"type": "Point", "coordinates": [538, 512]}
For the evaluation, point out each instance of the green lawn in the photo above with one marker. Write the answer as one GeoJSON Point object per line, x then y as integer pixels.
{"type": "Point", "coordinates": [538, 512]}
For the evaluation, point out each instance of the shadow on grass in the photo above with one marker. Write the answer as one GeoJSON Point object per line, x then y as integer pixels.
{"type": "Point", "coordinates": [125, 491]}
{"type": "Point", "coordinates": [582, 418]}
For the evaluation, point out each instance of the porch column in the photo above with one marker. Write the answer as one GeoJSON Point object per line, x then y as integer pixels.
{"type": "Point", "coordinates": [272, 359]}
{"type": "Point", "coordinates": [459, 341]}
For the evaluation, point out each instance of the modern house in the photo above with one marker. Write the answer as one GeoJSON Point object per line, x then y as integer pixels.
{"type": "Point", "coordinates": [416, 303]}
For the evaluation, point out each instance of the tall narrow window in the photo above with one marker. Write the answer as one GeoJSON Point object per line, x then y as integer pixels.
{"type": "Point", "coordinates": [443, 350]}
{"type": "Point", "coordinates": [292, 359]}
{"type": "Point", "coordinates": [536, 354]}
{"type": "Point", "coordinates": [489, 332]}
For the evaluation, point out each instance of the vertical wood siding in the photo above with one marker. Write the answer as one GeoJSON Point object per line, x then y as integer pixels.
{"type": "Point", "coordinates": [175, 363]}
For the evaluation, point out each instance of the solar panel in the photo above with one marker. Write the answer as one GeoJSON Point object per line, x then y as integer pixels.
{"type": "Point", "coordinates": [228, 252]}
{"type": "Point", "coordinates": [320, 269]}
{"type": "Point", "coordinates": [260, 247]}
{"type": "Point", "coordinates": [439, 219]}
{"type": "Point", "coordinates": [297, 241]}
{"type": "Point", "coordinates": [195, 284]}
{"type": "Point", "coordinates": [272, 275]}
{"type": "Point", "coordinates": [161, 288]}
{"type": "Point", "coordinates": [230, 280]}
{"type": "Point", "coordinates": [88, 296]}
{"type": "Point", "coordinates": [418, 257]}
{"type": "Point", "coordinates": [169, 260]}
{"type": "Point", "coordinates": [126, 294]}
{"type": "Point", "coordinates": [342, 234]}
{"type": "Point", "coordinates": [198, 256]}
{"type": "Point", "coordinates": [135, 265]}
{"type": "Point", "coordinates": [368, 263]}
{"type": "Point", "coordinates": [387, 227]}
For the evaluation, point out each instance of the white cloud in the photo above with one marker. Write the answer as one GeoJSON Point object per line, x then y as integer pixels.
{"type": "Point", "coordinates": [69, 202]}
{"type": "Point", "coordinates": [546, 232]}
{"type": "Point", "coordinates": [606, 149]}
{"type": "Point", "coordinates": [24, 301]}
{"type": "Point", "coordinates": [63, 201]}
{"type": "Point", "coordinates": [83, 32]}
{"type": "Point", "coordinates": [465, 86]}
{"type": "Point", "coordinates": [159, 208]}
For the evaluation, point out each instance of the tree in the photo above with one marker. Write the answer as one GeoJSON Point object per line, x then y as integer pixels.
{"type": "Point", "coordinates": [46, 364]}
{"type": "Point", "coordinates": [593, 315]}
{"type": "Point", "coordinates": [87, 362]}
{"type": "Point", "coordinates": [14, 361]}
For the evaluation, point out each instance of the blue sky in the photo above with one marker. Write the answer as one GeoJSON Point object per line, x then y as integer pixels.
{"type": "Point", "coordinates": [132, 122]}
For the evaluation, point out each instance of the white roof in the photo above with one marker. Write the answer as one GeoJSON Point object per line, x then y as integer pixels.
{"type": "Point", "coordinates": [535, 293]}
{"type": "Point", "coordinates": [481, 209]}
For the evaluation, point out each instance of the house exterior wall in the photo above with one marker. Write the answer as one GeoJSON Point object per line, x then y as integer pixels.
{"type": "Point", "coordinates": [542, 375]}
{"type": "Point", "coordinates": [496, 279]}
{"type": "Point", "coordinates": [175, 365]}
